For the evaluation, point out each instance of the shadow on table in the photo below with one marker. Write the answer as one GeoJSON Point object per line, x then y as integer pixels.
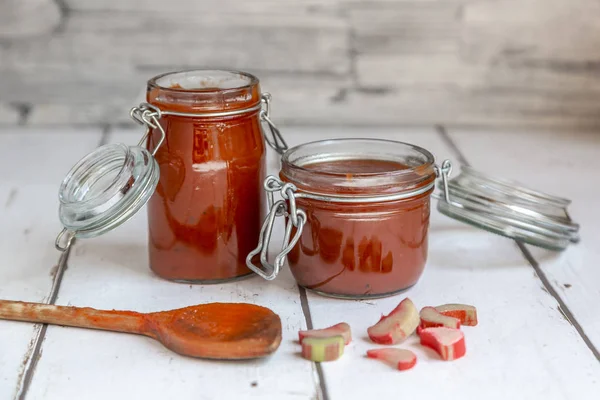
{"type": "Point", "coordinates": [133, 257]}
{"type": "Point", "coordinates": [469, 248]}
{"type": "Point", "coordinates": [99, 253]}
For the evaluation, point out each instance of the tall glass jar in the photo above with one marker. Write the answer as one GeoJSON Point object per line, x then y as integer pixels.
{"type": "Point", "coordinates": [206, 212]}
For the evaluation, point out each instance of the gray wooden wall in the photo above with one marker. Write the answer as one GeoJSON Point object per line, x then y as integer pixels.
{"type": "Point", "coordinates": [334, 62]}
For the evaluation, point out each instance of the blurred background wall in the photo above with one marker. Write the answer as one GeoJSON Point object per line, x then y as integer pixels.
{"type": "Point", "coordinates": [326, 62]}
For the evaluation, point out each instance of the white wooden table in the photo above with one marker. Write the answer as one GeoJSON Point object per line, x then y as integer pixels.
{"type": "Point", "coordinates": [539, 330]}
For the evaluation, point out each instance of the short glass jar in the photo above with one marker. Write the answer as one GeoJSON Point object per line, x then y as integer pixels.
{"type": "Point", "coordinates": [357, 215]}
{"type": "Point", "coordinates": [366, 205]}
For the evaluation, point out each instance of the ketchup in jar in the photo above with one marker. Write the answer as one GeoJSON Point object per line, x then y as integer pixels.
{"type": "Point", "coordinates": [363, 209]}
{"type": "Point", "coordinates": [206, 213]}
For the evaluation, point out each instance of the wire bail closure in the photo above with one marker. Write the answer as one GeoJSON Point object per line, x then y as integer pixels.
{"type": "Point", "coordinates": [295, 218]}
{"type": "Point", "coordinates": [68, 241]}
{"type": "Point", "coordinates": [444, 172]}
{"type": "Point", "coordinates": [148, 115]}
{"type": "Point", "coordinates": [276, 142]}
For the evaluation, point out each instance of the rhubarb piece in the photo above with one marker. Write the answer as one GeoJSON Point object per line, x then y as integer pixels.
{"type": "Point", "coordinates": [321, 349]}
{"type": "Point", "coordinates": [398, 358]}
{"type": "Point", "coordinates": [465, 313]}
{"type": "Point", "coordinates": [447, 342]}
{"type": "Point", "coordinates": [341, 329]}
{"type": "Point", "coordinates": [430, 317]}
{"type": "Point", "coordinates": [397, 326]}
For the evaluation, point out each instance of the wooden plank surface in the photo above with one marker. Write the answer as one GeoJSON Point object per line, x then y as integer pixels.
{"type": "Point", "coordinates": [567, 166]}
{"type": "Point", "coordinates": [9, 115]}
{"type": "Point", "coordinates": [521, 348]}
{"type": "Point", "coordinates": [33, 168]}
{"type": "Point", "coordinates": [24, 19]}
{"type": "Point", "coordinates": [112, 272]}
{"type": "Point", "coordinates": [260, 7]}
{"type": "Point", "coordinates": [407, 27]}
{"type": "Point", "coordinates": [458, 62]}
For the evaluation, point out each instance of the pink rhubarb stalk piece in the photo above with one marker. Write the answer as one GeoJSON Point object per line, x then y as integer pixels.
{"type": "Point", "coordinates": [341, 329]}
{"type": "Point", "coordinates": [465, 313]}
{"type": "Point", "coordinates": [398, 358]}
{"type": "Point", "coordinates": [447, 342]}
{"type": "Point", "coordinates": [320, 349]}
{"type": "Point", "coordinates": [397, 326]}
{"type": "Point", "coordinates": [430, 317]}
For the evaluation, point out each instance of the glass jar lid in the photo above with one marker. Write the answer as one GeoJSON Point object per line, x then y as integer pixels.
{"type": "Point", "coordinates": [109, 185]}
{"type": "Point", "coordinates": [507, 208]}
{"type": "Point", "coordinates": [106, 188]}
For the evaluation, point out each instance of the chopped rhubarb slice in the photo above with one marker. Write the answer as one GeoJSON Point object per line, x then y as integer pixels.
{"type": "Point", "coordinates": [398, 358]}
{"type": "Point", "coordinates": [430, 317]}
{"type": "Point", "coordinates": [341, 329]}
{"type": "Point", "coordinates": [447, 342]}
{"type": "Point", "coordinates": [397, 326]}
{"type": "Point", "coordinates": [323, 348]}
{"type": "Point", "coordinates": [465, 313]}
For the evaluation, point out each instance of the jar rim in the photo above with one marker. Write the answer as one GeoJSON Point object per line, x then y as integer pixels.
{"type": "Point", "coordinates": [290, 152]}
{"type": "Point", "coordinates": [106, 188]}
{"type": "Point", "coordinates": [67, 188]}
{"type": "Point", "coordinates": [251, 80]}
{"type": "Point", "coordinates": [419, 163]}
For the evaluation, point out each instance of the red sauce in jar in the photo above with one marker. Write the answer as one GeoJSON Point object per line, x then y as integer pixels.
{"type": "Point", "coordinates": [365, 249]}
{"type": "Point", "coordinates": [206, 213]}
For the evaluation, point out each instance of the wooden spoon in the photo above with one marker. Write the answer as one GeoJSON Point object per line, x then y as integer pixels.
{"type": "Point", "coordinates": [216, 330]}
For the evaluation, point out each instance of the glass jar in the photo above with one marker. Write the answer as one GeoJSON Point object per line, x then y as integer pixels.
{"type": "Point", "coordinates": [206, 212]}
{"type": "Point", "coordinates": [357, 215]}
{"type": "Point", "coordinates": [366, 204]}
{"type": "Point", "coordinates": [201, 172]}
{"type": "Point", "coordinates": [355, 247]}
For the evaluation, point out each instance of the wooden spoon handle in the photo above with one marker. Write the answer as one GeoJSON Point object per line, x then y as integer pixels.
{"type": "Point", "coordinates": [120, 321]}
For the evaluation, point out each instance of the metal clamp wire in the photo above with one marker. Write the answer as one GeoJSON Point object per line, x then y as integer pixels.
{"type": "Point", "coordinates": [277, 142]}
{"type": "Point", "coordinates": [287, 192]}
{"type": "Point", "coordinates": [444, 171]}
{"type": "Point", "coordinates": [148, 115]}
{"type": "Point", "coordinates": [296, 218]}
{"type": "Point", "coordinates": [69, 240]}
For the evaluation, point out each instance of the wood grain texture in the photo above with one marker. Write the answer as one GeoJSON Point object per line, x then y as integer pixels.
{"type": "Point", "coordinates": [209, 6]}
{"type": "Point", "coordinates": [9, 115]}
{"type": "Point", "coordinates": [111, 272]}
{"type": "Point", "coordinates": [28, 225]}
{"type": "Point", "coordinates": [523, 348]}
{"type": "Point", "coordinates": [566, 166]}
{"type": "Point", "coordinates": [458, 62]}
{"type": "Point", "coordinates": [23, 19]}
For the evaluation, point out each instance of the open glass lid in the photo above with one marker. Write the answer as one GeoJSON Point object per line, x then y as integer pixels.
{"type": "Point", "coordinates": [506, 208]}
{"type": "Point", "coordinates": [108, 186]}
